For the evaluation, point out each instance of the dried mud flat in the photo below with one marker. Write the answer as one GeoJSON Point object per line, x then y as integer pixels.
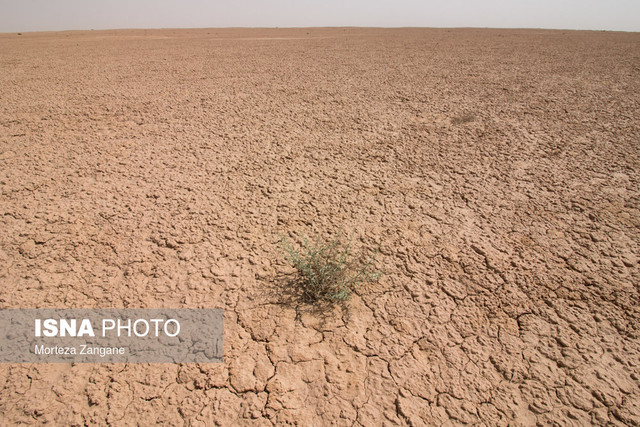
{"type": "Point", "coordinates": [497, 170]}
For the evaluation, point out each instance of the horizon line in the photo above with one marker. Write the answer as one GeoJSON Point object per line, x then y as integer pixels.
{"type": "Point", "coordinates": [315, 27]}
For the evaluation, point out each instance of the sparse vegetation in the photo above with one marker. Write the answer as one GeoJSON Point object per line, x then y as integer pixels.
{"type": "Point", "coordinates": [328, 270]}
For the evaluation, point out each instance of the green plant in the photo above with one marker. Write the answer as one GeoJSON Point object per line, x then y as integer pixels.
{"type": "Point", "coordinates": [329, 271]}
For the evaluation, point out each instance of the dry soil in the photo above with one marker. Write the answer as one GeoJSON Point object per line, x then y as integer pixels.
{"type": "Point", "coordinates": [498, 171]}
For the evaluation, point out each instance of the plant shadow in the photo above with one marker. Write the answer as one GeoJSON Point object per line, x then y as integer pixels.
{"type": "Point", "coordinates": [287, 289]}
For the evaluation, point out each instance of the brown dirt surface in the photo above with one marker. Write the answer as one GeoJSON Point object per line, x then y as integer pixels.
{"type": "Point", "coordinates": [498, 171]}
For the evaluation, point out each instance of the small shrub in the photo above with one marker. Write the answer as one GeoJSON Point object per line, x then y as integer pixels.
{"type": "Point", "coordinates": [329, 271]}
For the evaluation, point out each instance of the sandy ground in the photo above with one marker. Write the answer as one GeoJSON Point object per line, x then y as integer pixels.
{"type": "Point", "coordinates": [497, 170]}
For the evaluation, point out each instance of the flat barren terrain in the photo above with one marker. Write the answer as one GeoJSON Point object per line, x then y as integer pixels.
{"type": "Point", "coordinates": [497, 170]}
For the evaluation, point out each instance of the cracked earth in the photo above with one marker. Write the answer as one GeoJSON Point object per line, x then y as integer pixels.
{"type": "Point", "coordinates": [498, 171]}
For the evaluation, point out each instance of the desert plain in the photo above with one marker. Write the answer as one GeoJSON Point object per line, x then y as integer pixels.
{"type": "Point", "coordinates": [497, 171]}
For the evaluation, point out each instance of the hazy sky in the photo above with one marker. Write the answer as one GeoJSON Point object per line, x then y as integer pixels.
{"type": "Point", "coordinates": [44, 15]}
